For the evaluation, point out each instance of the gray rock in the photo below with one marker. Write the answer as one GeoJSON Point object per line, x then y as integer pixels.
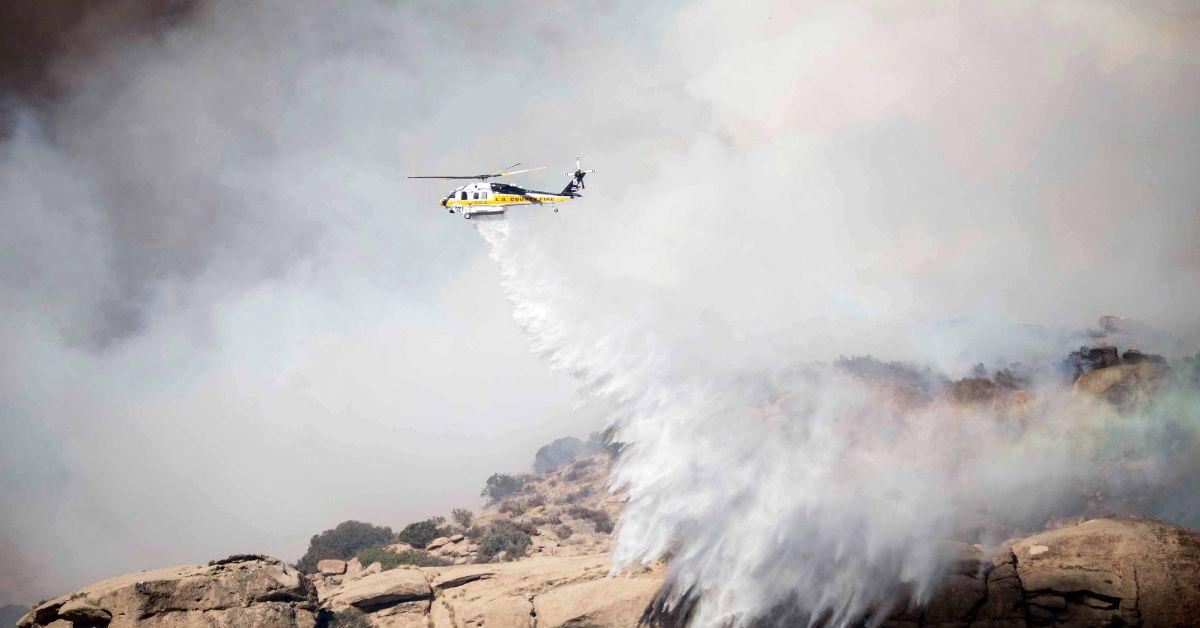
{"type": "Point", "coordinates": [331, 567]}
{"type": "Point", "coordinates": [243, 590]}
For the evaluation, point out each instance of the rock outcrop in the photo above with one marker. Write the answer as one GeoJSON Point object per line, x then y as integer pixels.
{"type": "Point", "coordinates": [570, 511]}
{"type": "Point", "coordinates": [257, 591]}
{"type": "Point", "coordinates": [564, 451]}
{"type": "Point", "coordinates": [1103, 572]}
{"type": "Point", "coordinates": [243, 590]}
{"type": "Point", "coordinates": [1125, 383]}
{"type": "Point", "coordinates": [543, 591]}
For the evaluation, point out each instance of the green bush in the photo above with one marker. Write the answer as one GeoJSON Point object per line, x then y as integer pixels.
{"type": "Point", "coordinates": [563, 531]}
{"type": "Point", "coordinates": [349, 618]}
{"type": "Point", "coordinates": [503, 536]}
{"type": "Point", "coordinates": [599, 518]}
{"type": "Point", "coordinates": [499, 486]}
{"type": "Point", "coordinates": [462, 517]}
{"type": "Point", "coordinates": [420, 533]}
{"type": "Point", "coordinates": [342, 542]}
{"type": "Point", "coordinates": [545, 520]}
{"type": "Point", "coordinates": [390, 560]}
{"type": "Point", "coordinates": [512, 507]}
{"type": "Point", "coordinates": [577, 495]}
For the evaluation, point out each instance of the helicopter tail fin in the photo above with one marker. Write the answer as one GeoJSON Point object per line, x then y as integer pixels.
{"type": "Point", "coordinates": [576, 183]}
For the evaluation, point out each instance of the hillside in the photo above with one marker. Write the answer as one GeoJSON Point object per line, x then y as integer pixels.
{"type": "Point", "coordinates": [539, 553]}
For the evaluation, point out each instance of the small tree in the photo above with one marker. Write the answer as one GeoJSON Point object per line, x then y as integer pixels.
{"type": "Point", "coordinates": [503, 536]}
{"type": "Point", "coordinates": [599, 518]}
{"type": "Point", "coordinates": [462, 517]}
{"type": "Point", "coordinates": [420, 533]}
{"type": "Point", "coordinates": [342, 542]}
{"type": "Point", "coordinates": [499, 486]}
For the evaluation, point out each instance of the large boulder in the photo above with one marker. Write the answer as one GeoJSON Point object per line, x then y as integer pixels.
{"type": "Point", "coordinates": [1112, 572]}
{"type": "Point", "coordinates": [382, 589]}
{"type": "Point", "coordinates": [331, 567]}
{"type": "Point", "coordinates": [615, 601]}
{"type": "Point", "coordinates": [243, 590]}
{"type": "Point", "coordinates": [1126, 383]}
{"type": "Point", "coordinates": [1104, 572]}
{"type": "Point", "coordinates": [548, 591]}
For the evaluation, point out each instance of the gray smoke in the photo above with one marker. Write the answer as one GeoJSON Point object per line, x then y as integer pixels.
{"type": "Point", "coordinates": [231, 322]}
{"type": "Point", "coordinates": [789, 485]}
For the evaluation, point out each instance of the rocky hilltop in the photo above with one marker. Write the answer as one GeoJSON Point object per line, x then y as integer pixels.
{"type": "Point", "coordinates": [563, 579]}
{"type": "Point", "coordinates": [538, 554]}
{"type": "Point", "coordinates": [1103, 572]}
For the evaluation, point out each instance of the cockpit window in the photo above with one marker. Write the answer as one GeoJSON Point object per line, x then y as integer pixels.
{"type": "Point", "coordinates": [463, 196]}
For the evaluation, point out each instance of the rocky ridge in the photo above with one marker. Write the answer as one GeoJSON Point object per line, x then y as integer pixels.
{"type": "Point", "coordinates": [1102, 572]}
{"type": "Point", "coordinates": [1107, 571]}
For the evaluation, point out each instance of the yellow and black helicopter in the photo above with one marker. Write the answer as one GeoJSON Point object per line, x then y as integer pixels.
{"type": "Point", "coordinates": [483, 198]}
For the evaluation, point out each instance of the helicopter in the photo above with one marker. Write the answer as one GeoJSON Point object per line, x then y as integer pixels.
{"type": "Point", "coordinates": [492, 199]}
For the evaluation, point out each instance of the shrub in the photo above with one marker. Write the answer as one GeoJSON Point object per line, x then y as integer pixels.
{"type": "Point", "coordinates": [577, 495]}
{"type": "Point", "coordinates": [499, 486]}
{"type": "Point", "coordinates": [462, 517]}
{"type": "Point", "coordinates": [535, 501]}
{"type": "Point", "coordinates": [552, 520]}
{"type": "Point", "coordinates": [871, 369]}
{"type": "Point", "coordinates": [512, 507]}
{"type": "Point", "coordinates": [503, 536]}
{"type": "Point", "coordinates": [599, 518]}
{"type": "Point", "coordinates": [348, 618]}
{"type": "Point", "coordinates": [563, 531]}
{"type": "Point", "coordinates": [342, 542]}
{"type": "Point", "coordinates": [418, 534]}
{"type": "Point", "coordinates": [390, 560]}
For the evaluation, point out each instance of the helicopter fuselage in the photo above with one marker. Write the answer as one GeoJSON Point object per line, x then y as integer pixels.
{"type": "Point", "coordinates": [483, 197]}
{"type": "Point", "coordinates": [495, 198]}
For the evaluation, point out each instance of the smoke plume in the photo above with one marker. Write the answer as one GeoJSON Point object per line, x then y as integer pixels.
{"type": "Point", "coordinates": [230, 321]}
{"type": "Point", "coordinates": [802, 491]}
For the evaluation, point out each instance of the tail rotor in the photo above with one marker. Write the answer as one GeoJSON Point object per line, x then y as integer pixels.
{"type": "Point", "coordinates": [578, 175]}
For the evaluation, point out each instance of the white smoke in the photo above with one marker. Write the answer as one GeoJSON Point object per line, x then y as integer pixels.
{"type": "Point", "coordinates": [775, 484]}
{"type": "Point", "coordinates": [214, 211]}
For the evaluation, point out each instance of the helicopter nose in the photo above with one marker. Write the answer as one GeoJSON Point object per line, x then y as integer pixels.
{"type": "Point", "coordinates": [443, 202]}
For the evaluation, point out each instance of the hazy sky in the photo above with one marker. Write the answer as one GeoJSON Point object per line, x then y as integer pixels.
{"type": "Point", "coordinates": [230, 322]}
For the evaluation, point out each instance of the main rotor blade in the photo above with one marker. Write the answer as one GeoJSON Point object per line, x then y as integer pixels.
{"type": "Point", "coordinates": [476, 176]}
{"type": "Point", "coordinates": [484, 177]}
{"type": "Point", "coordinates": [512, 172]}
